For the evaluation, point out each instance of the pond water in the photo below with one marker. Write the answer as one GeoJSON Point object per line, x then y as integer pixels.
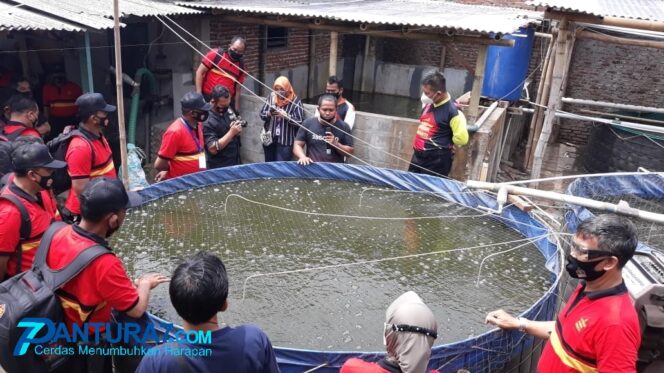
{"type": "Point", "coordinates": [257, 228]}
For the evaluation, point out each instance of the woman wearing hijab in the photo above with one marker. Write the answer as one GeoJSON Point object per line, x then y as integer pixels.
{"type": "Point", "coordinates": [410, 329]}
{"type": "Point", "coordinates": [282, 114]}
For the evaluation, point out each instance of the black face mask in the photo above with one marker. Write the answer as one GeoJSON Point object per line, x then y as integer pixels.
{"type": "Point", "coordinates": [235, 56]}
{"type": "Point", "coordinates": [201, 116]}
{"type": "Point", "coordinates": [43, 181]}
{"type": "Point", "coordinates": [583, 270]}
{"type": "Point", "coordinates": [221, 110]}
{"type": "Point", "coordinates": [336, 95]}
{"type": "Point", "coordinates": [110, 231]}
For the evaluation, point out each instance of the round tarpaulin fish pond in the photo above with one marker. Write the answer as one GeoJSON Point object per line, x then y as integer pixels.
{"type": "Point", "coordinates": [315, 255]}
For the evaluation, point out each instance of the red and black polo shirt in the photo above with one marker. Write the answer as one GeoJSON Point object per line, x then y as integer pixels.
{"type": "Point", "coordinates": [225, 74]}
{"type": "Point", "coordinates": [12, 127]}
{"type": "Point", "coordinates": [595, 332]}
{"type": "Point", "coordinates": [103, 285]}
{"type": "Point", "coordinates": [182, 146]}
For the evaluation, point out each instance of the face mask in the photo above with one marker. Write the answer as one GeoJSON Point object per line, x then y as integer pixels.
{"type": "Point", "coordinates": [235, 56]}
{"type": "Point", "coordinates": [110, 231]}
{"type": "Point", "coordinates": [221, 109]}
{"type": "Point", "coordinates": [583, 270]}
{"type": "Point", "coordinates": [425, 99]}
{"type": "Point", "coordinates": [335, 94]}
{"type": "Point", "coordinates": [43, 181]}
{"type": "Point", "coordinates": [202, 116]}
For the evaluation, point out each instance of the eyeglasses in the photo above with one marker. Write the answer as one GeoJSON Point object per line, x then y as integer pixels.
{"type": "Point", "coordinates": [585, 254]}
{"type": "Point", "coordinates": [408, 329]}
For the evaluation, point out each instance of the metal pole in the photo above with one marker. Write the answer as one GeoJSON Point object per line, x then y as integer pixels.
{"type": "Point", "coordinates": [88, 62]}
{"type": "Point", "coordinates": [620, 208]}
{"type": "Point", "coordinates": [118, 92]}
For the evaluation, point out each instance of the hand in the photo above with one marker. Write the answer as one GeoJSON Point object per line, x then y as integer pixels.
{"type": "Point", "coordinates": [330, 139]}
{"type": "Point", "coordinates": [236, 128]}
{"type": "Point", "coordinates": [44, 128]}
{"type": "Point", "coordinates": [502, 319]}
{"type": "Point", "coordinates": [161, 175]}
{"type": "Point", "coordinates": [151, 279]}
{"type": "Point", "coordinates": [305, 161]}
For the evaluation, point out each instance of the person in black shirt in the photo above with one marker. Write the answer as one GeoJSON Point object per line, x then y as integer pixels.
{"type": "Point", "coordinates": [222, 131]}
{"type": "Point", "coordinates": [327, 138]}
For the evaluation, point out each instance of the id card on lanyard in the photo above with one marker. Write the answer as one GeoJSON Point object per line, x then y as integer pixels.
{"type": "Point", "coordinates": [202, 164]}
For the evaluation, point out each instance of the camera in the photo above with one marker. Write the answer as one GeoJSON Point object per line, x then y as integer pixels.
{"type": "Point", "coordinates": [235, 117]}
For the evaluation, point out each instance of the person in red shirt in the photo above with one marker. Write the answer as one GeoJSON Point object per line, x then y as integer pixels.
{"type": "Point", "coordinates": [223, 67]}
{"type": "Point", "coordinates": [410, 330]}
{"type": "Point", "coordinates": [89, 155]}
{"type": "Point", "coordinates": [104, 284]}
{"type": "Point", "coordinates": [182, 146]}
{"type": "Point", "coordinates": [598, 329]}
{"type": "Point", "coordinates": [59, 96]}
{"type": "Point", "coordinates": [29, 186]}
{"type": "Point", "coordinates": [23, 115]}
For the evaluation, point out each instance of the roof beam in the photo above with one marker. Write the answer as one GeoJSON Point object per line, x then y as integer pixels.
{"type": "Point", "coordinates": [619, 40]}
{"type": "Point", "coordinates": [377, 33]}
{"type": "Point", "coordinates": [637, 24]}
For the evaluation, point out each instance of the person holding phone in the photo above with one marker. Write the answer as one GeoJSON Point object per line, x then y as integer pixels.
{"type": "Point", "coordinates": [282, 114]}
{"type": "Point", "coordinates": [327, 138]}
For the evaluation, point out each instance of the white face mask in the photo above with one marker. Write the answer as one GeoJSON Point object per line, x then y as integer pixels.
{"type": "Point", "coordinates": [425, 99]}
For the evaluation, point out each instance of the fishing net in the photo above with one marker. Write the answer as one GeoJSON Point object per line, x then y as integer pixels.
{"type": "Point", "coordinates": [315, 262]}
{"type": "Point", "coordinates": [644, 192]}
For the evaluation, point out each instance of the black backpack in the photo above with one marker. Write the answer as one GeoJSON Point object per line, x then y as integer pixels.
{"type": "Point", "coordinates": [58, 149]}
{"type": "Point", "coordinates": [31, 294]}
{"type": "Point", "coordinates": [26, 227]}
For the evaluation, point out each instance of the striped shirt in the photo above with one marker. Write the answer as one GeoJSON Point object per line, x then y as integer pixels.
{"type": "Point", "coordinates": [283, 130]}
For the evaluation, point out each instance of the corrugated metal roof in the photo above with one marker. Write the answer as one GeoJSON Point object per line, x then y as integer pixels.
{"type": "Point", "coordinates": [14, 17]}
{"type": "Point", "coordinates": [651, 10]}
{"type": "Point", "coordinates": [413, 13]}
{"type": "Point", "coordinates": [98, 14]}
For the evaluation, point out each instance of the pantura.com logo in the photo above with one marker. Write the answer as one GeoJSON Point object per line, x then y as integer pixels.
{"type": "Point", "coordinates": [40, 331]}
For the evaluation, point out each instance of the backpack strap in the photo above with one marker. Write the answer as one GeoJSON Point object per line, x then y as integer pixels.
{"type": "Point", "coordinates": [218, 57]}
{"type": "Point", "coordinates": [56, 278]}
{"type": "Point", "coordinates": [15, 135]}
{"type": "Point", "coordinates": [26, 227]}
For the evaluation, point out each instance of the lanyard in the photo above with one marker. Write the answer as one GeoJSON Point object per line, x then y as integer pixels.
{"type": "Point", "coordinates": [194, 136]}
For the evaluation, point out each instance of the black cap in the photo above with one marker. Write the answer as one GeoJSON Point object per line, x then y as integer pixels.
{"type": "Point", "coordinates": [194, 101]}
{"type": "Point", "coordinates": [33, 156]}
{"type": "Point", "coordinates": [93, 102]}
{"type": "Point", "coordinates": [107, 194]}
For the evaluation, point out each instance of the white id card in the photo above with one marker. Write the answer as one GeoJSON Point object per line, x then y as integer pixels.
{"type": "Point", "coordinates": [202, 164]}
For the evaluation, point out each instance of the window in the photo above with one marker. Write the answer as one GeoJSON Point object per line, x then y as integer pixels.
{"type": "Point", "coordinates": [277, 37]}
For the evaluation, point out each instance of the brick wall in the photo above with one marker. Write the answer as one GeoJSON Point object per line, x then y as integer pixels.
{"type": "Point", "coordinates": [615, 73]}
{"type": "Point", "coordinates": [221, 34]}
{"type": "Point", "coordinates": [295, 54]}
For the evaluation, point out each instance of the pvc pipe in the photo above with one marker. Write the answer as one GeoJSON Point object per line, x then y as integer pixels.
{"type": "Point", "coordinates": [475, 127]}
{"type": "Point", "coordinates": [118, 91]}
{"type": "Point", "coordinates": [632, 125]}
{"type": "Point", "coordinates": [621, 208]}
{"type": "Point", "coordinates": [612, 105]}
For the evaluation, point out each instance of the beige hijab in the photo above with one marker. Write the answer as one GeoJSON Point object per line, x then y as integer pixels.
{"type": "Point", "coordinates": [410, 351]}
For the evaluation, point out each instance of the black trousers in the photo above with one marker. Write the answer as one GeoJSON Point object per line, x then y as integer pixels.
{"type": "Point", "coordinates": [431, 162]}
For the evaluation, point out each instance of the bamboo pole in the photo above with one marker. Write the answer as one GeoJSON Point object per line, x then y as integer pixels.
{"type": "Point", "coordinates": [619, 116]}
{"type": "Point", "coordinates": [620, 41]}
{"type": "Point", "coordinates": [480, 66]}
{"type": "Point", "coordinates": [561, 65]}
{"type": "Point", "coordinates": [620, 208]}
{"type": "Point", "coordinates": [119, 94]}
{"type": "Point", "coordinates": [544, 78]}
{"type": "Point", "coordinates": [334, 44]}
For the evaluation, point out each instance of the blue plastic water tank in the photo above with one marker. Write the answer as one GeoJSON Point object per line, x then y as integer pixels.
{"type": "Point", "coordinates": [506, 67]}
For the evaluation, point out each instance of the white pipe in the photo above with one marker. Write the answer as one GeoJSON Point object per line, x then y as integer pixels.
{"type": "Point", "coordinates": [620, 208]}
{"type": "Point", "coordinates": [616, 122]}
{"type": "Point", "coordinates": [612, 105]}
{"type": "Point", "coordinates": [483, 118]}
